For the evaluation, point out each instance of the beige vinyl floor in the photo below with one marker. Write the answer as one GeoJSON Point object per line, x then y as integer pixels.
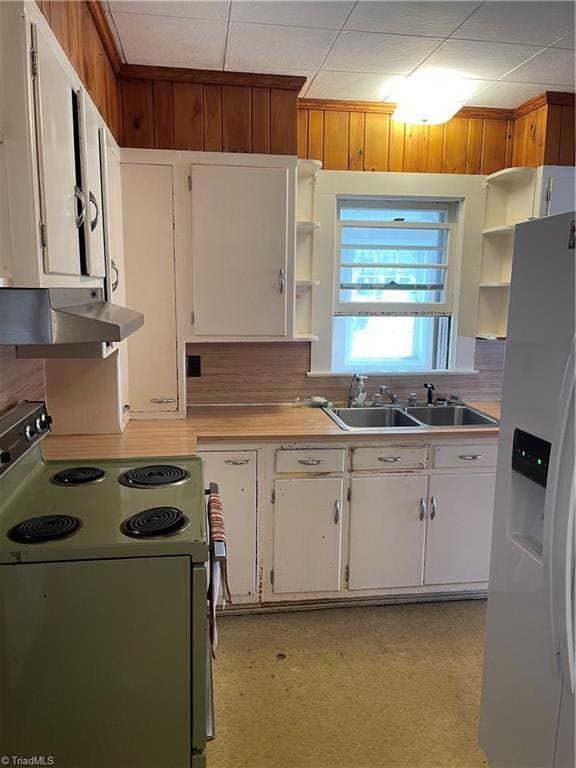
{"type": "Point", "coordinates": [394, 686]}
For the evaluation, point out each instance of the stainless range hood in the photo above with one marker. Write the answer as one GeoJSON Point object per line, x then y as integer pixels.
{"type": "Point", "coordinates": [73, 322]}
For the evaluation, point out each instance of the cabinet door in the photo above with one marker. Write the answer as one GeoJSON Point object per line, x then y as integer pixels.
{"type": "Point", "coordinates": [235, 473]}
{"type": "Point", "coordinates": [560, 195]}
{"type": "Point", "coordinates": [239, 250]}
{"type": "Point", "coordinates": [90, 155]}
{"type": "Point", "coordinates": [56, 122]}
{"type": "Point", "coordinates": [387, 525]}
{"type": "Point", "coordinates": [307, 535]}
{"type": "Point", "coordinates": [459, 528]}
{"type": "Point", "coordinates": [149, 266]}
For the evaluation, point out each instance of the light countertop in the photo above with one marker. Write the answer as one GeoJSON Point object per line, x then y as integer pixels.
{"type": "Point", "coordinates": [210, 424]}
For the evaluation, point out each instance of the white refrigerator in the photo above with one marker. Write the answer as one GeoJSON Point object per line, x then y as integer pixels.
{"type": "Point", "coordinates": [527, 711]}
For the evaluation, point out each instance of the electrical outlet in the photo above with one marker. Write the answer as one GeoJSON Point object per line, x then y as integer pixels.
{"type": "Point", "coordinates": [193, 366]}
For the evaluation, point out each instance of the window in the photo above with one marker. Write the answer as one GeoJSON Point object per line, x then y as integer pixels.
{"type": "Point", "coordinates": [393, 284]}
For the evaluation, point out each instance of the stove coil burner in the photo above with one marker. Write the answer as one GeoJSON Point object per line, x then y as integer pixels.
{"type": "Point", "coordinates": [38, 530]}
{"type": "Point", "coordinates": [154, 476]}
{"type": "Point", "coordinates": [78, 476]}
{"type": "Point", "coordinates": [157, 522]}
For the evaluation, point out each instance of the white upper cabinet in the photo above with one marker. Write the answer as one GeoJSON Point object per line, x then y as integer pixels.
{"type": "Point", "coordinates": [90, 129]}
{"type": "Point", "coordinates": [147, 207]}
{"type": "Point", "coordinates": [61, 206]}
{"type": "Point", "coordinates": [242, 229]}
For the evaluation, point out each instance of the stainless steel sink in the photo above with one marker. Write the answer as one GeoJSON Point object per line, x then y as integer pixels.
{"type": "Point", "coordinates": [376, 419]}
{"type": "Point", "coordinates": [451, 416]}
{"type": "Point", "coordinates": [371, 418]}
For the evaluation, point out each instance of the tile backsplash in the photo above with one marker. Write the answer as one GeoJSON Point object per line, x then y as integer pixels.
{"type": "Point", "coordinates": [19, 379]}
{"type": "Point", "coordinates": [276, 373]}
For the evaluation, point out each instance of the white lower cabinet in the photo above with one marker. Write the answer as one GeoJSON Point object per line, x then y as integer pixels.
{"type": "Point", "coordinates": [387, 524]}
{"type": "Point", "coordinates": [307, 535]}
{"type": "Point", "coordinates": [459, 528]}
{"type": "Point", "coordinates": [235, 473]}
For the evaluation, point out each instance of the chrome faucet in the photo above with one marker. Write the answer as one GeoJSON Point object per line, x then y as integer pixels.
{"type": "Point", "coordinates": [384, 390]}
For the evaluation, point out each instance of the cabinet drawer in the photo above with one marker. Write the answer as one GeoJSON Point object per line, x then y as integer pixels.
{"type": "Point", "coordinates": [468, 455]}
{"type": "Point", "coordinates": [389, 457]}
{"type": "Point", "coordinates": [322, 460]}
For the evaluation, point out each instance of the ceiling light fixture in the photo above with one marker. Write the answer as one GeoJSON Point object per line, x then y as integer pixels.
{"type": "Point", "coordinates": [430, 98]}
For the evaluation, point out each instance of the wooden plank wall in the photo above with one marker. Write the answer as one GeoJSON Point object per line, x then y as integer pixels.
{"type": "Point", "coordinates": [208, 116]}
{"type": "Point", "coordinates": [545, 135]}
{"type": "Point", "coordinates": [275, 372]}
{"type": "Point", "coordinates": [362, 137]}
{"type": "Point", "coordinates": [81, 31]}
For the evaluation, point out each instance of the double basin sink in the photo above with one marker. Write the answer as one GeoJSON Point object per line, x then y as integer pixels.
{"type": "Point", "coordinates": [396, 416]}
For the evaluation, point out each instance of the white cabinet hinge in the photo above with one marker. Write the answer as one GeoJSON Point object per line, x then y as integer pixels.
{"type": "Point", "coordinates": [273, 496]}
{"type": "Point", "coordinates": [349, 493]}
{"type": "Point", "coordinates": [347, 574]}
{"type": "Point", "coordinates": [272, 577]}
{"type": "Point", "coordinates": [34, 62]}
{"type": "Point", "coordinates": [43, 235]}
{"type": "Point", "coordinates": [189, 183]}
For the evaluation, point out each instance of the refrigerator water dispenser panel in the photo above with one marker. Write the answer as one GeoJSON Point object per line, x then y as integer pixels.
{"type": "Point", "coordinates": [531, 456]}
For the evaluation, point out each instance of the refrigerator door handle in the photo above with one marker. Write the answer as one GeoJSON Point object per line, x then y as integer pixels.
{"type": "Point", "coordinates": [559, 517]}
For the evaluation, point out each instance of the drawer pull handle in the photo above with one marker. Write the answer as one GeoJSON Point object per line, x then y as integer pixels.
{"type": "Point", "coordinates": [336, 512]}
{"type": "Point", "coordinates": [389, 459]}
{"type": "Point", "coordinates": [310, 462]}
{"type": "Point", "coordinates": [434, 505]}
{"type": "Point", "coordinates": [163, 400]}
{"type": "Point", "coordinates": [423, 508]}
{"type": "Point", "coordinates": [237, 462]}
{"type": "Point", "coordinates": [470, 456]}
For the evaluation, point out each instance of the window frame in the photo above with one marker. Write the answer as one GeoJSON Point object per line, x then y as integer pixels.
{"type": "Point", "coordinates": [467, 190]}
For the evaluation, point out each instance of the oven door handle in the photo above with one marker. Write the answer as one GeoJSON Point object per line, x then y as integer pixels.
{"type": "Point", "coordinates": [210, 716]}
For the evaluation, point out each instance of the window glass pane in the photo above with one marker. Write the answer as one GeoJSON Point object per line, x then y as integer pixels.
{"type": "Point", "coordinates": [365, 344]}
{"type": "Point", "coordinates": [391, 214]}
{"type": "Point", "coordinates": [425, 285]}
{"type": "Point", "coordinates": [390, 236]}
{"type": "Point", "coordinates": [393, 255]}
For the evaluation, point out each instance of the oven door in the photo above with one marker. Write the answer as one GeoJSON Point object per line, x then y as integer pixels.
{"type": "Point", "coordinates": [202, 698]}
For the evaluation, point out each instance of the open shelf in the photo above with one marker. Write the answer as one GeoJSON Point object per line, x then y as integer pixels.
{"type": "Point", "coordinates": [495, 285]}
{"type": "Point", "coordinates": [307, 226]}
{"type": "Point", "coordinates": [511, 175]}
{"type": "Point", "coordinates": [305, 337]}
{"type": "Point", "coordinates": [490, 337]}
{"type": "Point", "coordinates": [308, 283]}
{"type": "Point", "coordinates": [503, 229]}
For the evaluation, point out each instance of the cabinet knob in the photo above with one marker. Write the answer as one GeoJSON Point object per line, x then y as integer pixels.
{"type": "Point", "coordinates": [423, 508]}
{"type": "Point", "coordinates": [434, 506]}
{"type": "Point", "coordinates": [310, 462]}
{"type": "Point", "coordinates": [389, 459]}
{"type": "Point", "coordinates": [336, 512]}
{"type": "Point", "coordinates": [237, 462]}
{"type": "Point", "coordinates": [281, 280]}
{"type": "Point", "coordinates": [163, 400]}
{"type": "Point", "coordinates": [470, 456]}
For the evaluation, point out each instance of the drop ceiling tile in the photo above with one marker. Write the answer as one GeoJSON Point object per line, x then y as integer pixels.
{"type": "Point", "coordinates": [533, 23]}
{"type": "Point", "coordinates": [568, 41]}
{"type": "Point", "coordinates": [409, 18]}
{"type": "Point", "coordinates": [552, 65]}
{"type": "Point", "coordinates": [509, 95]}
{"type": "Point", "coordinates": [216, 10]}
{"type": "Point", "coordinates": [172, 42]}
{"type": "Point", "coordinates": [479, 60]}
{"type": "Point", "coordinates": [260, 47]}
{"type": "Point", "coordinates": [352, 86]}
{"type": "Point", "coordinates": [369, 52]}
{"type": "Point", "coordinates": [325, 14]}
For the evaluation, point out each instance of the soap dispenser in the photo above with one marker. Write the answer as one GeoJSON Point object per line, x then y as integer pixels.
{"type": "Point", "coordinates": [361, 391]}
